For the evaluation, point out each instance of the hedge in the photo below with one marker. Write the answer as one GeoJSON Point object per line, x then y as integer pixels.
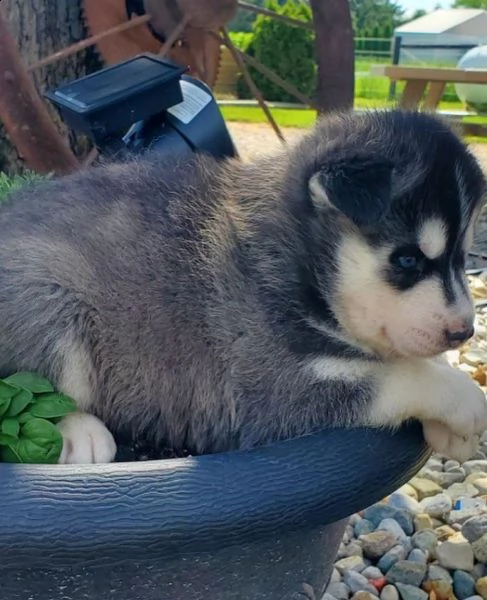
{"type": "Point", "coordinates": [287, 50]}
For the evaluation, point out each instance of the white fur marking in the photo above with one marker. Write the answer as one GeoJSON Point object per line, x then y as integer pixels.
{"type": "Point", "coordinates": [470, 232]}
{"type": "Point", "coordinates": [340, 368]}
{"type": "Point", "coordinates": [317, 191]}
{"type": "Point", "coordinates": [469, 236]}
{"type": "Point", "coordinates": [433, 238]}
{"type": "Point", "coordinates": [464, 307]}
{"type": "Point", "coordinates": [75, 377]}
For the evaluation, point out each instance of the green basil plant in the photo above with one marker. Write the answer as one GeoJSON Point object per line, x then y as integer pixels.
{"type": "Point", "coordinates": [29, 411]}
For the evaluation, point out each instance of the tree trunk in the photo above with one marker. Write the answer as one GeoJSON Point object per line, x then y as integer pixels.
{"type": "Point", "coordinates": [335, 54]}
{"type": "Point", "coordinates": [40, 28]}
{"type": "Point", "coordinates": [25, 116]}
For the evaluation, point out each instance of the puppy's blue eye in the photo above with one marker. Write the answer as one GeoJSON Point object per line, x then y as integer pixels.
{"type": "Point", "coordinates": [407, 262]}
{"type": "Point", "coordinates": [408, 259]}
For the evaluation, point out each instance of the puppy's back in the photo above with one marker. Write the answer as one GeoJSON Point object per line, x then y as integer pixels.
{"type": "Point", "coordinates": [97, 267]}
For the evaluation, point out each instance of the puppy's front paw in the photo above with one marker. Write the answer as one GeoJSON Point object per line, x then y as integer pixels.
{"type": "Point", "coordinates": [451, 406]}
{"type": "Point", "coordinates": [445, 442]}
{"type": "Point", "coordinates": [86, 440]}
{"type": "Point", "coordinates": [463, 409]}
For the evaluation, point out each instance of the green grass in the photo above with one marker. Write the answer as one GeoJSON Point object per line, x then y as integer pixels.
{"type": "Point", "coordinates": [448, 105]}
{"type": "Point", "coordinates": [303, 117]}
{"type": "Point", "coordinates": [294, 117]}
{"type": "Point", "coordinates": [8, 184]}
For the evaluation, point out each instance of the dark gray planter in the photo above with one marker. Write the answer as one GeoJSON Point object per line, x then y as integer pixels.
{"type": "Point", "coordinates": [262, 524]}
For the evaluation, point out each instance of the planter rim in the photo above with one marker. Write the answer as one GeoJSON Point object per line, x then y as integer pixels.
{"type": "Point", "coordinates": [57, 516]}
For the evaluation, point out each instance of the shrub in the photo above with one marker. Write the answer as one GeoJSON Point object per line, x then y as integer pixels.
{"type": "Point", "coordinates": [241, 39]}
{"type": "Point", "coordinates": [285, 49]}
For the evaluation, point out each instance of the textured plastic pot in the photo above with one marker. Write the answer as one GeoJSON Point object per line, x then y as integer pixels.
{"type": "Point", "coordinates": [262, 524]}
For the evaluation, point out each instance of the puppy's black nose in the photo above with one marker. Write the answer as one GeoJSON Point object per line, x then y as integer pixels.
{"type": "Point", "coordinates": [459, 336]}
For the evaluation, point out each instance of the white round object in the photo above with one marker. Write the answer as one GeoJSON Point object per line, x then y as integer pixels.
{"type": "Point", "coordinates": [474, 95]}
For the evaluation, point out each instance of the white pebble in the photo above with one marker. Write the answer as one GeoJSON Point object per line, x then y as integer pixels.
{"type": "Point", "coordinates": [437, 506]}
{"type": "Point", "coordinates": [335, 576]}
{"type": "Point", "coordinates": [389, 592]}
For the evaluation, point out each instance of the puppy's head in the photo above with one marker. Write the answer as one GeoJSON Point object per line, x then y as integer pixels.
{"type": "Point", "coordinates": [394, 197]}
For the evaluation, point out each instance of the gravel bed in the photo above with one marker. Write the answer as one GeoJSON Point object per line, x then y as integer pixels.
{"type": "Point", "coordinates": [428, 540]}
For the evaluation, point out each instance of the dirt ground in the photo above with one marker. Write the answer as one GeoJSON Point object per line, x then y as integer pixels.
{"type": "Point", "coordinates": [253, 139]}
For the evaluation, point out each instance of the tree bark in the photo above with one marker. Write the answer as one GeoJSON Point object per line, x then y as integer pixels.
{"type": "Point", "coordinates": [334, 54]}
{"type": "Point", "coordinates": [41, 27]}
{"type": "Point", "coordinates": [25, 116]}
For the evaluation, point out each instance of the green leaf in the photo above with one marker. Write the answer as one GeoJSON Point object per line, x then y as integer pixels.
{"type": "Point", "coordinates": [4, 406]}
{"type": "Point", "coordinates": [30, 381]}
{"type": "Point", "coordinates": [40, 442]}
{"type": "Point", "coordinates": [7, 391]}
{"type": "Point", "coordinates": [25, 417]}
{"type": "Point", "coordinates": [40, 430]}
{"type": "Point", "coordinates": [19, 403]}
{"type": "Point", "coordinates": [8, 455]}
{"type": "Point", "coordinates": [50, 406]}
{"type": "Point", "coordinates": [28, 452]}
{"type": "Point", "coordinates": [7, 440]}
{"type": "Point", "coordinates": [10, 427]}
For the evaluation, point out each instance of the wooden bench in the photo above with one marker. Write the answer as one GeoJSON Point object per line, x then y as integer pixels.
{"type": "Point", "coordinates": [421, 79]}
{"type": "Point", "coordinates": [425, 87]}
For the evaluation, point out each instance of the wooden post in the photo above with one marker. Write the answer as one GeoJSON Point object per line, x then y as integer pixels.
{"type": "Point", "coordinates": [25, 116]}
{"type": "Point", "coordinates": [395, 59]}
{"type": "Point", "coordinates": [334, 53]}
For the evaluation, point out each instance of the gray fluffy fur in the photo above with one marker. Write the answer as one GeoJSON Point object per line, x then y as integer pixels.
{"type": "Point", "coordinates": [191, 284]}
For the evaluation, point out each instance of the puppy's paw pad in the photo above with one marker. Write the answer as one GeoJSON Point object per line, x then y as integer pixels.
{"type": "Point", "coordinates": [86, 440]}
{"type": "Point", "coordinates": [443, 441]}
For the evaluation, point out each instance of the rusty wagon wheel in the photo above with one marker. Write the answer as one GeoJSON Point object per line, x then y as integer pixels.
{"type": "Point", "coordinates": [192, 33]}
{"type": "Point", "coordinates": [183, 31]}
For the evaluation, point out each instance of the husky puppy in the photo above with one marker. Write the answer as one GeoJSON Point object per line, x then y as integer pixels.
{"type": "Point", "coordinates": [220, 305]}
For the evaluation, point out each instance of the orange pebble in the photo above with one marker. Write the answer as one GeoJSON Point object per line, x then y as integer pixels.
{"type": "Point", "coordinates": [480, 376]}
{"type": "Point", "coordinates": [379, 583]}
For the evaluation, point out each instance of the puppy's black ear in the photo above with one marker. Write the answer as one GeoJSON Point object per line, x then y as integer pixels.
{"type": "Point", "coordinates": [359, 187]}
